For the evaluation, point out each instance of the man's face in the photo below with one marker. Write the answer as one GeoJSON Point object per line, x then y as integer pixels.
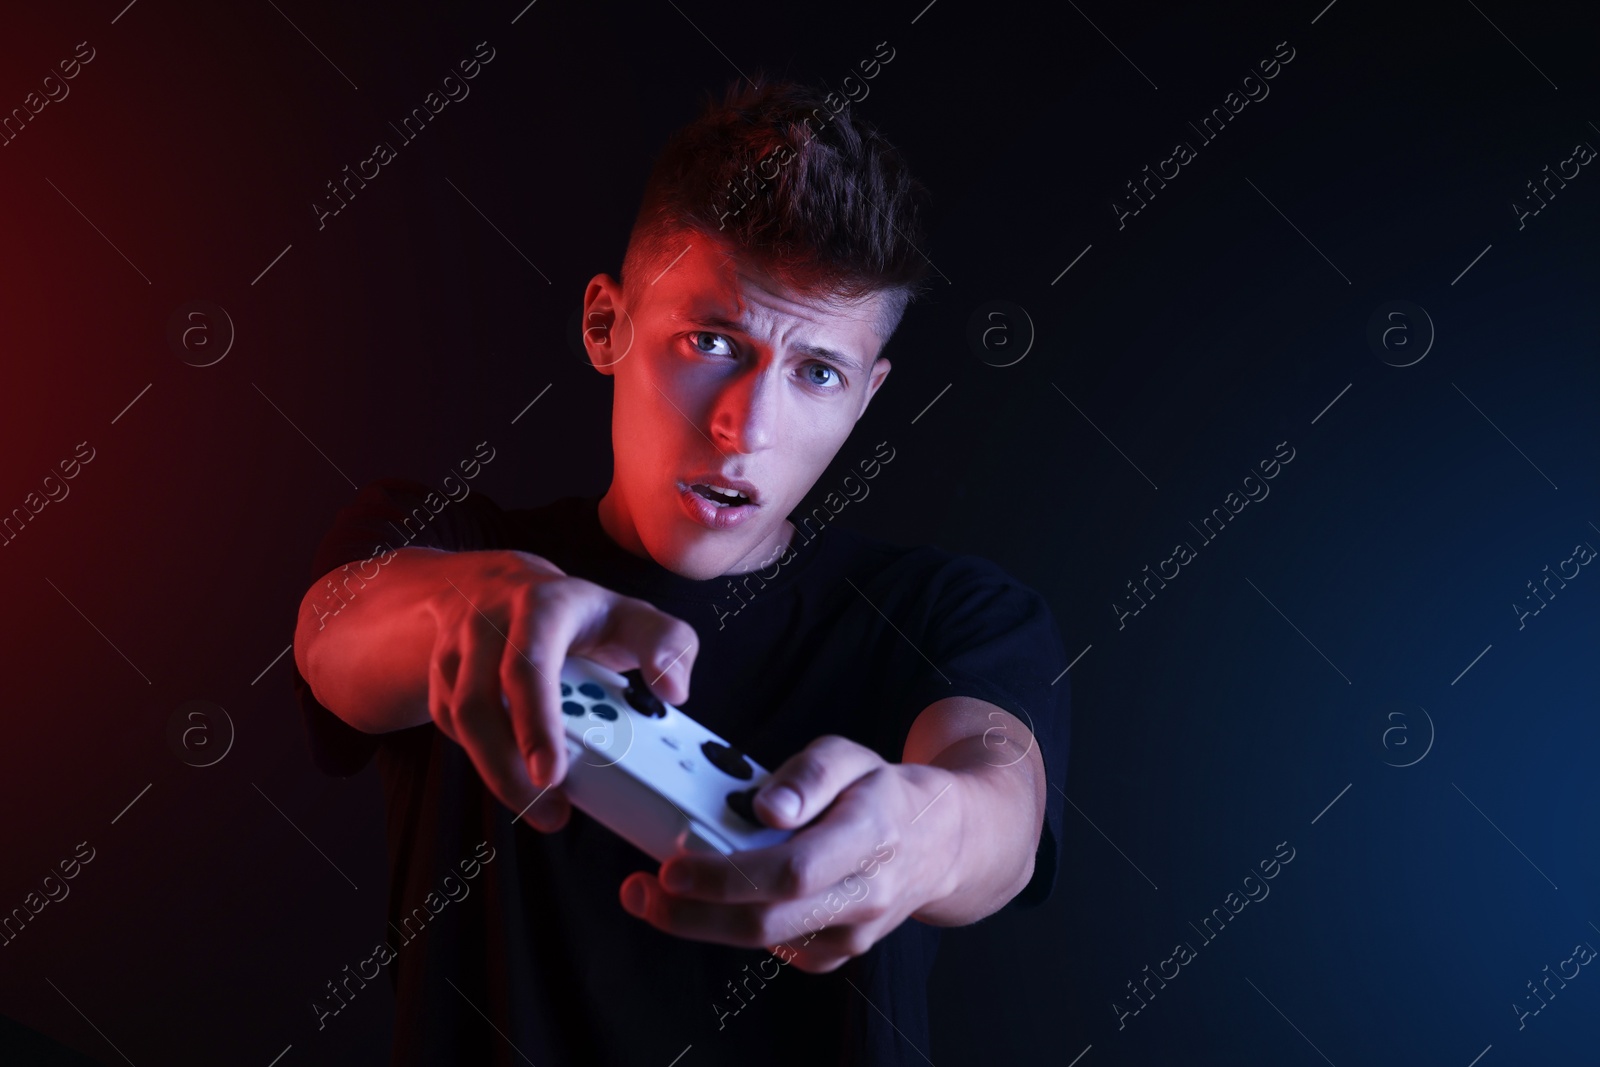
{"type": "Point", "coordinates": [724, 377]}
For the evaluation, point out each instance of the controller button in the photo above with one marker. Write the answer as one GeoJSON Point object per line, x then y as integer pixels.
{"type": "Point", "coordinates": [592, 691]}
{"type": "Point", "coordinates": [571, 707]}
{"type": "Point", "coordinates": [728, 760]}
{"type": "Point", "coordinates": [605, 711]}
{"type": "Point", "coordinates": [742, 803]}
{"type": "Point", "coordinates": [686, 765]}
{"type": "Point", "coordinates": [671, 742]}
{"type": "Point", "coordinates": [639, 695]}
{"type": "Point", "coordinates": [566, 690]}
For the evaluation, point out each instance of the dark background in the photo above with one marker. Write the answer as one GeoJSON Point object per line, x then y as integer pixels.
{"type": "Point", "coordinates": [1327, 635]}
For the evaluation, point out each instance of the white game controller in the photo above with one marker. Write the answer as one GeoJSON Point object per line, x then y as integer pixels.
{"type": "Point", "coordinates": [650, 773]}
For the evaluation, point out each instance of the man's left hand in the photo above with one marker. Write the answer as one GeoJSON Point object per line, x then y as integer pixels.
{"type": "Point", "coordinates": [881, 848]}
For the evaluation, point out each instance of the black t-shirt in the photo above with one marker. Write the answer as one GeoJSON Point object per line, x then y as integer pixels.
{"type": "Point", "coordinates": [505, 945]}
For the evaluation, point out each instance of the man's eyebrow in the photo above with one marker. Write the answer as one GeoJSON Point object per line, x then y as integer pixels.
{"type": "Point", "coordinates": [827, 355]}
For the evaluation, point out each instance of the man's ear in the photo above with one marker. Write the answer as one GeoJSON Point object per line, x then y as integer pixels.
{"type": "Point", "coordinates": [880, 371]}
{"type": "Point", "coordinates": [607, 326]}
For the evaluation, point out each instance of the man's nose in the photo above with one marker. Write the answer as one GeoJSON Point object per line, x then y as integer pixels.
{"type": "Point", "coordinates": [744, 419]}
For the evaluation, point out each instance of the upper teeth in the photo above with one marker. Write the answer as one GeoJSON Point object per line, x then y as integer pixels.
{"type": "Point", "coordinates": [724, 491]}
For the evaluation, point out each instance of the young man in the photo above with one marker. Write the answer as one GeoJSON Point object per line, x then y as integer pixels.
{"type": "Point", "coordinates": [903, 695]}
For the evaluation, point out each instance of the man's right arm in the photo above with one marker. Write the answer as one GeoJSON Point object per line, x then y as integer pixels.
{"type": "Point", "coordinates": [474, 641]}
{"type": "Point", "coordinates": [363, 645]}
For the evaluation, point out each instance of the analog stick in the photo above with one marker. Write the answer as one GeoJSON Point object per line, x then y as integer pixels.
{"type": "Point", "coordinates": [639, 696]}
{"type": "Point", "coordinates": [742, 803]}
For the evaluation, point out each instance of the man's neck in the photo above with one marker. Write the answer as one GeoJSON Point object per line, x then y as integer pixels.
{"type": "Point", "coordinates": [618, 525]}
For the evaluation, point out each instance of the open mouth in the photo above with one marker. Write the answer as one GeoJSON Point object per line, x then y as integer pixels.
{"type": "Point", "coordinates": [720, 496]}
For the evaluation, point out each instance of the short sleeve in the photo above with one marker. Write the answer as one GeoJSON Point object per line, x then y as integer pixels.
{"type": "Point", "coordinates": [990, 637]}
{"type": "Point", "coordinates": [387, 515]}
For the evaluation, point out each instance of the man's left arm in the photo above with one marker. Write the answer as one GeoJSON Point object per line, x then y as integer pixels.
{"type": "Point", "coordinates": [998, 784]}
{"type": "Point", "coordinates": [947, 836]}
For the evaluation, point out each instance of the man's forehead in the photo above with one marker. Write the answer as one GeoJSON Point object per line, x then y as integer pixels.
{"type": "Point", "coordinates": [725, 284]}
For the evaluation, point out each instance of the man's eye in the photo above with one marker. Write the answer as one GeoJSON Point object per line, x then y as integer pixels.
{"type": "Point", "coordinates": [833, 380]}
{"type": "Point", "coordinates": [706, 341]}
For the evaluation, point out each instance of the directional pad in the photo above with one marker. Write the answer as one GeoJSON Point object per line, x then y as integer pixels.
{"type": "Point", "coordinates": [728, 760]}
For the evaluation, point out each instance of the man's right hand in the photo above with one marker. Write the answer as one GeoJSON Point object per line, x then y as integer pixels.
{"type": "Point", "coordinates": [424, 633]}
{"type": "Point", "coordinates": [505, 622]}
